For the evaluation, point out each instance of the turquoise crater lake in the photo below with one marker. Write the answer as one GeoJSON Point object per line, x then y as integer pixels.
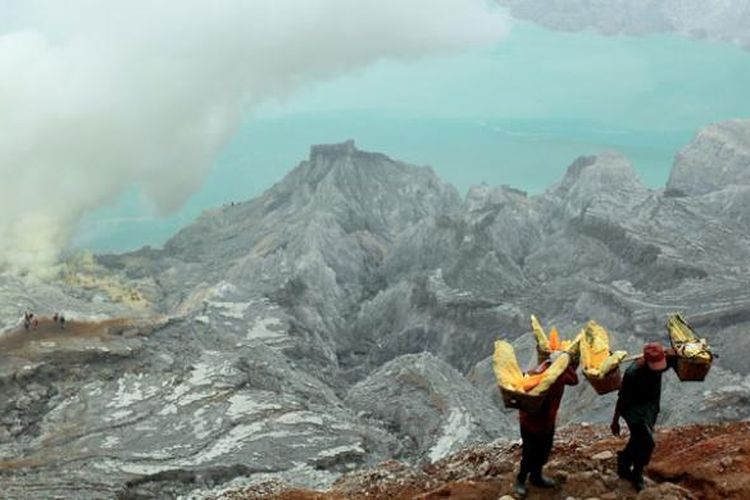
{"type": "Point", "coordinates": [517, 113]}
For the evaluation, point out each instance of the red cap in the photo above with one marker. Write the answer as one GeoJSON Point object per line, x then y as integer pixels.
{"type": "Point", "coordinates": [653, 353]}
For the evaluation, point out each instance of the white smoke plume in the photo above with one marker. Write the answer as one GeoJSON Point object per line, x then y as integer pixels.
{"type": "Point", "coordinates": [97, 96]}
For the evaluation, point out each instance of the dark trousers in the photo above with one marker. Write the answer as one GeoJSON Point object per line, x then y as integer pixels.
{"type": "Point", "coordinates": [535, 452]}
{"type": "Point", "coordinates": [637, 452]}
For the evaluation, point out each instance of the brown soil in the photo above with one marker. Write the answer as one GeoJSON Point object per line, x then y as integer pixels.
{"type": "Point", "coordinates": [696, 461]}
{"type": "Point", "coordinates": [713, 465]}
{"type": "Point", "coordinates": [16, 339]}
{"type": "Point", "coordinates": [49, 340]}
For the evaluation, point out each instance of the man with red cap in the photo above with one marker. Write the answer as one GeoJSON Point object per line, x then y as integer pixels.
{"type": "Point", "coordinates": [638, 403]}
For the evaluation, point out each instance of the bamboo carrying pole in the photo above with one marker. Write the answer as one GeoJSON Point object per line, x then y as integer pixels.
{"type": "Point", "coordinates": [632, 358]}
{"type": "Point", "coordinates": [639, 356]}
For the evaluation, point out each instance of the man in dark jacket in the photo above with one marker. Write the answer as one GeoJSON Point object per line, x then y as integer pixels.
{"type": "Point", "coordinates": [538, 431]}
{"type": "Point", "coordinates": [638, 403]}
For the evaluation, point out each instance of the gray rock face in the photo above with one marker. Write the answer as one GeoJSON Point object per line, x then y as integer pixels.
{"type": "Point", "coordinates": [197, 402]}
{"type": "Point", "coordinates": [288, 336]}
{"type": "Point", "coordinates": [718, 158]}
{"type": "Point", "coordinates": [428, 402]}
{"type": "Point", "coordinates": [726, 20]}
{"type": "Point", "coordinates": [313, 243]}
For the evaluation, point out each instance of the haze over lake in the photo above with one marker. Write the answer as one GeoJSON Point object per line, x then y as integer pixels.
{"type": "Point", "coordinates": [514, 114]}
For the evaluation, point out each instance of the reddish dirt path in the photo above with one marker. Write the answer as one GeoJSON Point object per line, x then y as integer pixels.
{"type": "Point", "coordinates": [15, 341]}
{"type": "Point", "coordinates": [697, 461]}
{"type": "Point", "coordinates": [711, 464]}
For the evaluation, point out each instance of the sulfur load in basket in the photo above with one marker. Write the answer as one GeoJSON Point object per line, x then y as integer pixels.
{"type": "Point", "coordinates": [523, 390]}
{"type": "Point", "coordinates": [694, 356]}
{"type": "Point", "coordinates": [545, 345]}
{"type": "Point", "coordinates": [601, 367]}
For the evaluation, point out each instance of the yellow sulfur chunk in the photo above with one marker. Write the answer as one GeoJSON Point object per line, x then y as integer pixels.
{"type": "Point", "coordinates": [551, 374]}
{"type": "Point", "coordinates": [686, 344]}
{"type": "Point", "coordinates": [554, 340]}
{"type": "Point", "coordinates": [548, 343]}
{"type": "Point", "coordinates": [509, 375]}
{"type": "Point", "coordinates": [596, 359]}
{"type": "Point", "coordinates": [541, 337]}
{"type": "Point", "coordinates": [504, 364]}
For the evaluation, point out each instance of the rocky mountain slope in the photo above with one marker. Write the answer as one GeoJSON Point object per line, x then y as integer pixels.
{"type": "Point", "coordinates": [725, 20]}
{"type": "Point", "coordinates": [346, 317]}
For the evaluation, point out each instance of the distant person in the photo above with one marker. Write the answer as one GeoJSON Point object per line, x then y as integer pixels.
{"type": "Point", "coordinates": [638, 403]}
{"type": "Point", "coordinates": [538, 430]}
{"type": "Point", "coordinates": [27, 317]}
{"type": "Point", "coordinates": [55, 317]}
{"type": "Point", "coordinates": [62, 321]}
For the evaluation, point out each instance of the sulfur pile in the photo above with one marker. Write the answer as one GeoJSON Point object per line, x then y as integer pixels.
{"type": "Point", "coordinates": [684, 341]}
{"type": "Point", "coordinates": [596, 358]}
{"type": "Point", "coordinates": [548, 344]}
{"type": "Point", "coordinates": [510, 377]}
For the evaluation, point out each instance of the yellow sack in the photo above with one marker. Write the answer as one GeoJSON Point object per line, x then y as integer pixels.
{"type": "Point", "coordinates": [596, 359]}
{"type": "Point", "coordinates": [509, 376]}
{"type": "Point", "coordinates": [684, 341]}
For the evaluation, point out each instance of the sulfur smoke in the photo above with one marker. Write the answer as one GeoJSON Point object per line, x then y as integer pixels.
{"type": "Point", "coordinates": [96, 97]}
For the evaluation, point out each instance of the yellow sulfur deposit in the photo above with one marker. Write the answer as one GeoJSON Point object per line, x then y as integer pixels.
{"type": "Point", "coordinates": [541, 338]}
{"type": "Point", "coordinates": [554, 339]}
{"type": "Point", "coordinates": [679, 330]}
{"type": "Point", "coordinates": [551, 374]}
{"type": "Point", "coordinates": [509, 376]}
{"type": "Point", "coordinates": [551, 343]}
{"type": "Point", "coordinates": [596, 359]}
{"type": "Point", "coordinates": [694, 350]}
{"type": "Point", "coordinates": [684, 341]}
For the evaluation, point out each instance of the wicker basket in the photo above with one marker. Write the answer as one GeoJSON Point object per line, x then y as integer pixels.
{"type": "Point", "coordinates": [521, 401]}
{"type": "Point", "coordinates": [610, 382]}
{"type": "Point", "coordinates": [689, 370]}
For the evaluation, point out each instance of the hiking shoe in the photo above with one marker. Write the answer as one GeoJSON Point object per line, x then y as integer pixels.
{"type": "Point", "coordinates": [624, 474]}
{"type": "Point", "coordinates": [520, 489]}
{"type": "Point", "coordinates": [623, 470]}
{"type": "Point", "coordinates": [637, 482]}
{"type": "Point", "coordinates": [543, 482]}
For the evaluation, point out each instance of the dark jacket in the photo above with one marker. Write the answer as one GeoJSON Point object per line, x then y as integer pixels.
{"type": "Point", "coordinates": [640, 394]}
